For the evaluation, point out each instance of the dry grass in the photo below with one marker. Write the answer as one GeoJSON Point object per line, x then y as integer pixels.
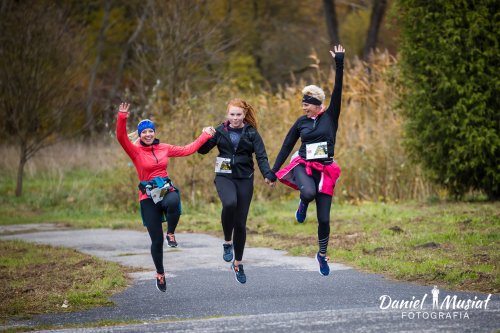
{"type": "Point", "coordinates": [39, 278]}
{"type": "Point", "coordinates": [368, 149]}
{"type": "Point", "coordinates": [62, 157]}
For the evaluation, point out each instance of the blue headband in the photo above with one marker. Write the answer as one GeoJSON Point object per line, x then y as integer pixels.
{"type": "Point", "coordinates": [311, 100]}
{"type": "Point", "coordinates": [143, 124]}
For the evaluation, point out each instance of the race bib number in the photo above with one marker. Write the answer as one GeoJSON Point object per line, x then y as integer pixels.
{"type": "Point", "coordinates": [222, 165]}
{"type": "Point", "coordinates": [157, 194]}
{"type": "Point", "coordinates": [316, 151]}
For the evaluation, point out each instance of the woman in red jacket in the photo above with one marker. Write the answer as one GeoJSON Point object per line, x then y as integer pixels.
{"type": "Point", "coordinates": [158, 196]}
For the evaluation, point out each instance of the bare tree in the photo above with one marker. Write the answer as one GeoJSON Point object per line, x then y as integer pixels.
{"type": "Point", "coordinates": [331, 21]}
{"type": "Point", "coordinates": [181, 45]}
{"type": "Point", "coordinates": [38, 60]}
{"type": "Point", "coordinates": [377, 16]}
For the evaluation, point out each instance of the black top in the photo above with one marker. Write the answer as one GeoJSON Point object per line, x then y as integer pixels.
{"type": "Point", "coordinates": [321, 129]}
{"type": "Point", "coordinates": [241, 158]}
{"type": "Point", "coordinates": [235, 135]}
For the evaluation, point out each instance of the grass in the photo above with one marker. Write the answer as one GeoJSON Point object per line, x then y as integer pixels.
{"type": "Point", "coordinates": [454, 244]}
{"type": "Point", "coordinates": [38, 279]}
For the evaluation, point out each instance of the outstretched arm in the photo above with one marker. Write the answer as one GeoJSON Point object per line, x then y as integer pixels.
{"type": "Point", "coordinates": [288, 144]}
{"type": "Point", "coordinates": [261, 157]}
{"type": "Point", "coordinates": [121, 131]}
{"type": "Point", "coordinates": [334, 107]}
{"type": "Point", "coordinates": [177, 151]}
{"type": "Point", "coordinates": [207, 146]}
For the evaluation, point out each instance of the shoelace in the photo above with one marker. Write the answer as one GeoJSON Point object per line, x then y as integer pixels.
{"type": "Point", "coordinates": [325, 259]}
{"type": "Point", "coordinates": [161, 277]}
{"type": "Point", "coordinates": [239, 269]}
{"type": "Point", "coordinates": [171, 237]}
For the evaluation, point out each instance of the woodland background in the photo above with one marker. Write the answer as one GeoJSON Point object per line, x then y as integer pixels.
{"type": "Point", "coordinates": [66, 65]}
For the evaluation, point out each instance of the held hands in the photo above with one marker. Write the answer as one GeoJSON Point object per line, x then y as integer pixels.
{"type": "Point", "coordinates": [337, 49]}
{"type": "Point", "coordinates": [124, 107]}
{"type": "Point", "coordinates": [270, 183]}
{"type": "Point", "coordinates": [209, 130]}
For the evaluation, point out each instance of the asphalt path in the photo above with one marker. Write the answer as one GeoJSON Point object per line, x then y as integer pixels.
{"type": "Point", "coordinates": [282, 293]}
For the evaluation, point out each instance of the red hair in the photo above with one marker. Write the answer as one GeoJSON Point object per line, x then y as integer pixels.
{"type": "Point", "coordinates": [247, 109]}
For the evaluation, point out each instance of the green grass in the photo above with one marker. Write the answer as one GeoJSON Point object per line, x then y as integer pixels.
{"type": "Point", "coordinates": [40, 278]}
{"type": "Point", "coordinates": [455, 244]}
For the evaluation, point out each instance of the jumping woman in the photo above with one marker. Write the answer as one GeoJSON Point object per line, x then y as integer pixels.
{"type": "Point", "coordinates": [314, 172]}
{"type": "Point", "coordinates": [158, 196]}
{"type": "Point", "coordinates": [237, 140]}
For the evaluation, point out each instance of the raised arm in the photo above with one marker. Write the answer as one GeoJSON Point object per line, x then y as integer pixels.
{"type": "Point", "coordinates": [121, 131]}
{"type": "Point", "coordinates": [288, 144]}
{"type": "Point", "coordinates": [334, 107]}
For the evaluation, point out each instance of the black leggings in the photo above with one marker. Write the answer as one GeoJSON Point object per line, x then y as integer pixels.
{"type": "Point", "coordinates": [235, 195]}
{"type": "Point", "coordinates": [308, 186]}
{"type": "Point", "coordinates": [152, 215]}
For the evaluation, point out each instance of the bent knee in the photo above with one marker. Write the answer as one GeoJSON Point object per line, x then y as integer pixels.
{"type": "Point", "coordinates": [307, 194]}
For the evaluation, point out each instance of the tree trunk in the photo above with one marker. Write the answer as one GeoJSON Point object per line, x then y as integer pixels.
{"type": "Point", "coordinates": [378, 11]}
{"type": "Point", "coordinates": [108, 111]}
{"type": "Point", "coordinates": [99, 47]}
{"type": "Point", "coordinates": [331, 21]}
{"type": "Point", "coordinates": [20, 169]}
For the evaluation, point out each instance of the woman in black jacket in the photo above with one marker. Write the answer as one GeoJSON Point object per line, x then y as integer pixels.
{"type": "Point", "coordinates": [237, 139]}
{"type": "Point", "coordinates": [314, 172]}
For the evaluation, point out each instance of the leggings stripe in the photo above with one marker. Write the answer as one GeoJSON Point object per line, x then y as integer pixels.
{"type": "Point", "coordinates": [323, 245]}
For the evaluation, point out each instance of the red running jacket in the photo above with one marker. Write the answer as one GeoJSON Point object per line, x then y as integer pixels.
{"type": "Point", "coordinates": [151, 161]}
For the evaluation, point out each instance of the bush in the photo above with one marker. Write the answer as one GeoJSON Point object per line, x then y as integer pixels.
{"type": "Point", "coordinates": [449, 74]}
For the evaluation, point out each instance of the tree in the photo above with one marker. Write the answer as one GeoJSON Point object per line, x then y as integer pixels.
{"type": "Point", "coordinates": [449, 74]}
{"type": "Point", "coordinates": [178, 47]}
{"type": "Point", "coordinates": [38, 86]}
{"type": "Point", "coordinates": [331, 21]}
{"type": "Point", "coordinates": [375, 22]}
{"type": "Point", "coordinates": [376, 18]}
{"type": "Point", "coordinates": [93, 73]}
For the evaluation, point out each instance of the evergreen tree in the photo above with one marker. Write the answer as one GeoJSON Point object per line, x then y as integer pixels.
{"type": "Point", "coordinates": [450, 77]}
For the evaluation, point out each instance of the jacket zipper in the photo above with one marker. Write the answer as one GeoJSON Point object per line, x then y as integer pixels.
{"type": "Point", "coordinates": [153, 151]}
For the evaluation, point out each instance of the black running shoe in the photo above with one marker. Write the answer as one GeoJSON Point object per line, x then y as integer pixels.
{"type": "Point", "coordinates": [171, 240]}
{"type": "Point", "coordinates": [239, 273]}
{"type": "Point", "coordinates": [228, 252]}
{"type": "Point", "coordinates": [161, 285]}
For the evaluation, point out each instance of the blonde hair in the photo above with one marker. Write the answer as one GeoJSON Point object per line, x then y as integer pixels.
{"type": "Point", "coordinates": [134, 137]}
{"type": "Point", "coordinates": [314, 91]}
{"type": "Point", "coordinates": [247, 108]}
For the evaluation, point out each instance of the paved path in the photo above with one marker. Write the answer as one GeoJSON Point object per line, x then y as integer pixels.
{"type": "Point", "coordinates": [283, 293]}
